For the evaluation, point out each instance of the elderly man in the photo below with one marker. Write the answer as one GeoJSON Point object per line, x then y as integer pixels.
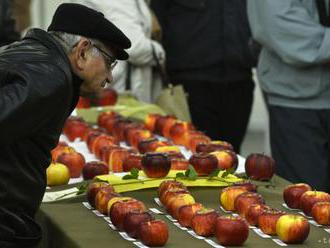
{"type": "Point", "coordinates": [294, 73]}
{"type": "Point", "coordinates": [41, 78]}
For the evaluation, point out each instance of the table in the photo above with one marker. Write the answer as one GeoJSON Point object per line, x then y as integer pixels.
{"type": "Point", "coordinates": [68, 223]}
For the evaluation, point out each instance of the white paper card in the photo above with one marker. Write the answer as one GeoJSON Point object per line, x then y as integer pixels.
{"type": "Point", "coordinates": [156, 199]}
{"type": "Point", "coordinates": [327, 230]}
{"type": "Point", "coordinates": [212, 243]}
{"type": "Point", "coordinates": [170, 218]}
{"type": "Point", "coordinates": [125, 236]}
{"type": "Point", "coordinates": [226, 211]}
{"type": "Point", "coordinates": [179, 226]}
{"type": "Point", "coordinates": [139, 244]}
{"type": "Point", "coordinates": [87, 205]}
{"type": "Point", "coordinates": [112, 226]}
{"type": "Point", "coordinates": [192, 233]}
{"type": "Point", "coordinates": [279, 242]}
{"type": "Point", "coordinates": [260, 233]}
{"type": "Point", "coordinates": [314, 223]}
{"type": "Point", "coordinates": [97, 213]}
{"type": "Point", "coordinates": [107, 219]}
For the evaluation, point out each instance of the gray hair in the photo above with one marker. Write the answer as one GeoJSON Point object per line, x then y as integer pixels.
{"type": "Point", "coordinates": [68, 41]}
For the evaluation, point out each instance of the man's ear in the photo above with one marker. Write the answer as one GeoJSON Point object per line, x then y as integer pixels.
{"type": "Point", "coordinates": [80, 53]}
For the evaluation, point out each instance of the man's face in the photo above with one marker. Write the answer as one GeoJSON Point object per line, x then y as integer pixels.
{"type": "Point", "coordinates": [93, 64]}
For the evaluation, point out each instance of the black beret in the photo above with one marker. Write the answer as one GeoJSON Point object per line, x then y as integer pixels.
{"type": "Point", "coordinates": [81, 20]}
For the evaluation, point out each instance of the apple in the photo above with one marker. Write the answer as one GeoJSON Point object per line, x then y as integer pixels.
{"type": "Point", "coordinates": [253, 213]}
{"type": "Point", "coordinates": [153, 233]}
{"type": "Point", "coordinates": [186, 212]}
{"type": "Point", "coordinates": [115, 199]}
{"type": "Point", "coordinates": [57, 174]}
{"type": "Point", "coordinates": [204, 221]}
{"type": "Point", "coordinates": [100, 142]}
{"type": "Point", "coordinates": [119, 210]}
{"type": "Point", "coordinates": [132, 221]}
{"type": "Point", "coordinates": [247, 184]}
{"type": "Point", "coordinates": [150, 121]}
{"type": "Point", "coordinates": [214, 146]}
{"type": "Point", "coordinates": [103, 196]}
{"type": "Point", "coordinates": [90, 137]}
{"type": "Point", "coordinates": [231, 230]}
{"type": "Point", "coordinates": [259, 167]}
{"type": "Point", "coordinates": [107, 97]}
{"type": "Point", "coordinates": [163, 121]}
{"type": "Point", "coordinates": [58, 150]}
{"type": "Point", "coordinates": [178, 130]}
{"type": "Point", "coordinates": [228, 196]}
{"type": "Point", "coordinates": [83, 103]}
{"type": "Point", "coordinates": [119, 128]}
{"type": "Point", "coordinates": [101, 119]}
{"type": "Point", "coordinates": [292, 229]}
{"type": "Point", "coordinates": [175, 203]}
{"type": "Point", "coordinates": [75, 128]}
{"type": "Point", "coordinates": [168, 149]}
{"type": "Point", "coordinates": [203, 163]}
{"type": "Point", "coordinates": [195, 138]}
{"type": "Point", "coordinates": [268, 219]}
{"type": "Point", "coordinates": [117, 157]}
{"type": "Point", "coordinates": [110, 122]}
{"type": "Point", "coordinates": [134, 135]}
{"type": "Point", "coordinates": [245, 200]}
{"type": "Point", "coordinates": [150, 145]}
{"type": "Point", "coordinates": [170, 194]}
{"type": "Point", "coordinates": [75, 161]}
{"type": "Point", "coordinates": [93, 188]}
{"type": "Point", "coordinates": [133, 160]}
{"type": "Point", "coordinates": [169, 184]}
{"type": "Point", "coordinates": [321, 213]}
{"type": "Point", "coordinates": [94, 168]}
{"type": "Point", "coordinates": [106, 151]}
{"type": "Point", "coordinates": [309, 198]}
{"type": "Point", "coordinates": [179, 164]}
{"type": "Point", "coordinates": [227, 159]}
{"type": "Point", "coordinates": [293, 192]}
{"type": "Point", "coordinates": [156, 165]}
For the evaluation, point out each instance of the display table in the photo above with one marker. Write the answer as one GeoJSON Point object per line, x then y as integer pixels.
{"type": "Point", "coordinates": [68, 223]}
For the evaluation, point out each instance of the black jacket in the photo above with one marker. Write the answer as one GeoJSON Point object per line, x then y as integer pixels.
{"type": "Point", "coordinates": [205, 40]}
{"type": "Point", "coordinates": [8, 33]}
{"type": "Point", "coordinates": [37, 94]}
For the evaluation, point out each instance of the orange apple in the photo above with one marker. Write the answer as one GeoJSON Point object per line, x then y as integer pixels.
{"type": "Point", "coordinates": [227, 160]}
{"type": "Point", "coordinates": [321, 213]}
{"type": "Point", "coordinates": [245, 200]}
{"type": "Point", "coordinates": [268, 219]}
{"type": "Point", "coordinates": [187, 212]}
{"type": "Point", "coordinates": [204, 221]}
{"type": "Point", "coordinates": [228, 196]}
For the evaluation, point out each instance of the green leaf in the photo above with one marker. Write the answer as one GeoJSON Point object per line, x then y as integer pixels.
{"type": "Point", "coordinates": [227, 172]}
{"type": "Point", "coordinates": [134, 174]}
{"type": "Point", "coordinates": [180, 175]}
{"type": "Point", "coordinates": [191, 173]}
{"type": "Point", "coordinates": [82, 188]}
{"type": "Point", "coordinates": [215, 173]}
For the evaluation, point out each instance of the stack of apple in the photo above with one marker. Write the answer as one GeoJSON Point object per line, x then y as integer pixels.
{"type": "Point", "coordinates": [107, 97]}
{"type": "Point", "coordinates": [127, 214]}
{"type": "Point", "coordinates": [181, 205]}
{"type": "Point", "coordinates": [243, 199]}
{"type": "Point", "coordinates": [312, 203]}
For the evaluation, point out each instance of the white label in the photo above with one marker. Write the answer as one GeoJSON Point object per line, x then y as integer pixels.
{"type": "Point", "coordinates": [155, 211]}
{"type": "Point", "coordinates": [261, 234]}
{"type": "Point", "coordinates": [252, 227]}
{"type": "Point", "coordinates": [212, 243]}
{"type": "Point", "coordinates": [192, 233]}
{"type": "Point", "coordinates": [279, 242]}
{"type": "Point", "coordinates": [303, 214]}
{"type": "Point", "coordinates": [139, 244]}
{"type": "Point", "coordinates": [170, 218]}
{"type": "Point", "coordinates": [327, 230]}
{"type": "Point", "coordinates": [97, 213]}
{"type": "Point", "coordinates": [99, 108]}
{"type": "Point", "coordinates": [287, 207]}
{"type": "Point", "coordinates": [156, 199]}
{"type": "Point", "coordinates": [112, 226]}
{"type": "Point", "coordinates": [125, 236]}
{"type": "Point", "coordinates": [314, 223]}
{"type": "Point", "coordinates": [235, 215]}
{"type": "Point", "coordinates": [107, 219]}
{"type": "Point", "coordinates": [179, 226]}
{"type": "Point", "coordinates": [87, 205]}
{"type": "Point", "coordinates": [224, 210]}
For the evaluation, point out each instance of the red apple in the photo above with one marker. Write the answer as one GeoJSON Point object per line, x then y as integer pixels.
{"type": "Point", "coordinates": [150, 121]}
{"type": "Point", "coordinates": [204, 221]}
{"type": "Point", "coordinates": [203, 163]}
{"type": "Point", "coordinates": [93, 189]}
{"type": "Point", "coordinates": [163, 121]}
{"type": "Point", "coordinates": [117, 157]}
{"type": "Point", "coordinates": [132, 221]}
{"type": "Point", "coordinates": [150, 145]}
{"type": "Point", "coordinates": [134, 135]}
{"type": "Point", "coordinates": [268, 219]}
{"type": "Point", "coordinates": [156, 165]}
{"type": "Point", "coordinates": [227, 160]}
{"type": "Point", "coordinates": [101, 119]}
{"type": "Point", "coordinates": [103, 196]}
{"type": "Point", "coordinates": [153, 233]}
{"type": "Point", "coordinates": [194, 138]}
{"type": "Point", "coordinates": [292, 194]}
{"type": "Point", "coordinates": [228, 196]}
{"type": "Point", "coordinates": [178, 130]}
{"type": "Point", "coordinates": [75, 161]}
{"type": "Point", "coordinates": [169, 184]}
{"type": "Point", "coordinates": [101, 141]}
{"type": "Point", "coordinates": [231, 231]}
{"type": "Point", "coordinates": [214, 146]}
{"type": "Point", "coordinates": [253, 213]}
{"type": "Point", "coordinates": [75, 128]}
{"type": "Point", "coordinates": [309, 198]}
{"type": "Point", "coordinates": [169, 194]}
{"type": "Point", "coordinates": [247, 184]}
{"type": "Point", "coordinates": [107, 97]}
{"type": "Point", "coordinates": [321, 213]}
{"type": "Point", "coordinates": [245, 200]}
{"type": "Point", "coordinates": [94, 168]}
{"type": "Point", "coordinates": [119, 210]}
{"type": "Point", "coordinates": [292, 229]}
{"type": "Point", "coordinates": [83, 103]}
{"type": "Point", "coordinates": [173, 205]}
{"type": "Point", "coordinates": [58, 150]}
{"type": "Point", "coordinates": [259, 167]}
{"type": "Point", "coordinates": [187, 212]}
{"type": "Point", "coordinates": [133, 160]}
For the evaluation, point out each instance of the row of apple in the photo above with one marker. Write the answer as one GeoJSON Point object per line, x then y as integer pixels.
{"type": "Point", "coordinates": [206, 222]}
{"type": "Point", "coordinates": [127, 214]}
{"type": "Point", "coordinates": [311, 202]}
{"type": "Point", "coordinates": [107, 97]}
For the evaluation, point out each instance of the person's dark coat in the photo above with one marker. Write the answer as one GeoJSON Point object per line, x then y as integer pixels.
{"type": "Point", "coordinates": [37, 94]}
{"type": "Point", "coordinates": [8, 33]}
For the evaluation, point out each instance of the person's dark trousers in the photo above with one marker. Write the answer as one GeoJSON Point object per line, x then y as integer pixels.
{"type": "Point", "coordinates": [221, 110]}
{"type": "Point", "coordinates": [300, 145]}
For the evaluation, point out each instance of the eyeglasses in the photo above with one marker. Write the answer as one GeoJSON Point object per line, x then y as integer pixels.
{"type": "Point", "coordinates": [110, 61]}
